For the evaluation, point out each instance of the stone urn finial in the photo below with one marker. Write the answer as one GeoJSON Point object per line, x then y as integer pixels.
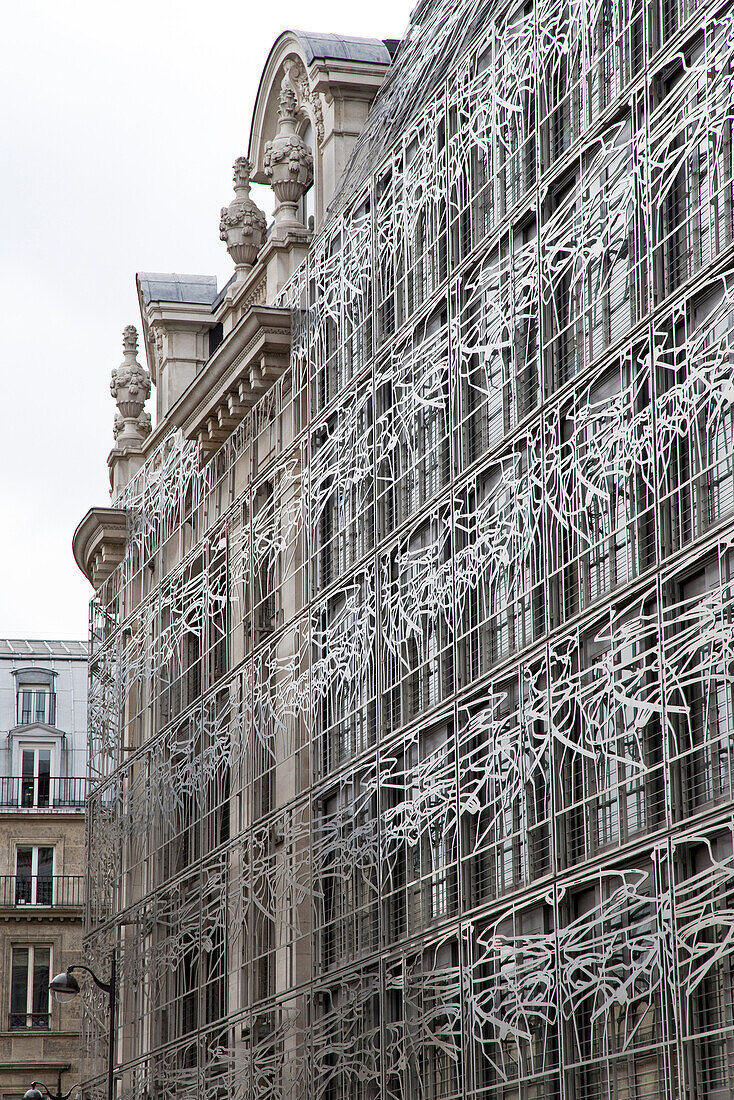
{"type": "Point", "coordinates": [288, 162]}
{"type": "Point", "coordinates": [242, 224]}
{"type": "Point", "coordinates": [130, 387]}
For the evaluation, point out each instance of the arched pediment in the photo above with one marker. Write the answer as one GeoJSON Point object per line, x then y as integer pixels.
{"type": "Point", "coordinates": [334, 78]}
{"type": "Point", "coordinates": [287, 55]}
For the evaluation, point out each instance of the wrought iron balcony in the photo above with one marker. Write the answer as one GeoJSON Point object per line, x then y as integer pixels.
{"type": "Point", "coordinates": [41, 891]}
{"type": "Point", "coordinates": [42, 792]}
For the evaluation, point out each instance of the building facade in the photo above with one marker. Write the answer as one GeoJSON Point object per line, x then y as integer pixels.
{"type": "Point", "coordinates": [43, 760]}
{"type": "Point", "coordinates": [411, 706]}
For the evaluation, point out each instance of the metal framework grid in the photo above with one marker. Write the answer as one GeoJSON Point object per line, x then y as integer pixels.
{"type": "Point", "coordinates": [411, 712]}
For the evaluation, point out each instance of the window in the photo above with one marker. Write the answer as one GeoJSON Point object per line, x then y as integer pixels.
{"type": "Point", "coordinates": [30, 975]}
{"type": "Point", "coordinates": [349, 919]}
{"type": "Point", "coordinates": [216, 335]}
{"type": "Point", "coordinates": [34, 868]}
{"type": "Point", "coordinates": [265, 561]}
{"type": "Point", "coordinates": [36, 703]}
{"type": "Point", "coordinates": [35, 782]}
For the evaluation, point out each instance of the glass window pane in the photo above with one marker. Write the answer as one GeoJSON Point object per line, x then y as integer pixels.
{"type": "Point", "coordinates": [19, 984]}
{"type": "Point", "coordinates": [41, 978]}
{"type": "Point", "coordinates": [40, 706]}
{"type": "Point", "coordinates": [52, 709]}
{"type": "Point", "coordinates": [23, 861]}
{"type": "Point", "coordinates": [44, 882]}
{"type": "Point", "coordinates": [23, 880]}
{"type": "Point", "coordinates": [27, 785]}
{"type": "Point", "coordinates": [45, 862]}
{"type": "Point", "coordinates": [26, 707]}
{"type": "Point", "coordinates": [44, 777]}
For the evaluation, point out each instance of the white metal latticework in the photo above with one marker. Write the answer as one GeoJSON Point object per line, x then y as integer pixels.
{"type": "Point", "coordinates": [416, 766]}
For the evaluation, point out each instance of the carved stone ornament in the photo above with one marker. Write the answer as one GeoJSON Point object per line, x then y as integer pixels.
{"type": "Point", "coordinates": [299, 79]}
{"type": "Point", "coordinates": [156, 346]}
{"type": "Point", "coordinates": [143, 421]}
{"type": "Point", "coordinates": [288, 162]}
{"type": "Point", "coordinates": [130, 387]}
{"type": "Point", "coordinates": [242, 224]}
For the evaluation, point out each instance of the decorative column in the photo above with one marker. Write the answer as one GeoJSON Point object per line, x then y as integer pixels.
{"type": "Point", "coordinates": [242, 224]}
{"type": "Point", "coordinates": [288, 163]}
{"type": "Point", "coordinates": [130, 387]}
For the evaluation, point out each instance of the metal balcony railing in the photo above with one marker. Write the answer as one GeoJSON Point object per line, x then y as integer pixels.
{"type": "Point", "coordinates": [24, 891]}
{"type": "Point", "coordinates": [29, 1019]}
{"type": "Point", "coordinates": [42, 792]}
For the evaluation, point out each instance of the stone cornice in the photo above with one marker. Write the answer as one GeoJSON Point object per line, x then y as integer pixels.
{"type": "Point", "coordinates": [191, 314]}
{"type": "Point", "coordinates": [18, 1066]}
{"type": "Point", "coordinates": [346, 79]}
{"type": "Point", "coordinates": [253, 356]}
{"type": "Point", "coordinates": [67, 914]}
{"type": "Point", "coordinates": [99, 543]}
{"type": "Point", "coordinates": [7, 813]}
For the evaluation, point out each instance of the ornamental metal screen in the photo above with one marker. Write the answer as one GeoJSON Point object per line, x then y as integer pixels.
{"type": "Point", "coordinates": [411, 712]}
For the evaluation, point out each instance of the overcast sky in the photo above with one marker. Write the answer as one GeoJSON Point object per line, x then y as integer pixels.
{"type": "Point", "coordinates": [119, 123]}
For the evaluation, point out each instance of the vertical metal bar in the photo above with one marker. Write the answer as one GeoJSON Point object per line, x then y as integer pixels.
{"type": "Point", "coordinates": [113, 1025]}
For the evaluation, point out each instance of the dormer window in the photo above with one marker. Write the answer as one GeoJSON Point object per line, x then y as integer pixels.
{"type": "Point", "coordinates": [35, 697]}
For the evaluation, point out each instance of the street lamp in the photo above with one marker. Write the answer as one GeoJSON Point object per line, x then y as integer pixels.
{"type": "Point", "coordinates": [64, 987]}
{"type": "Point", "coordinates": [35, 1093]}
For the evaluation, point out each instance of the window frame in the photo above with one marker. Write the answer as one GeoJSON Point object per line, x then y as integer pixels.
{"type": "Point", "coordinates": [27, 699]}
{"type": "Point", "coordinates": [33, 785]}
{"type": "Point", "coordinates": [30, 1014]}
{"type": "Point", "coordinates": [34, 878]}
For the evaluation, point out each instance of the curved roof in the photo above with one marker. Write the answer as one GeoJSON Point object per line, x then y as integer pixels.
{"type": "Point", "coordinates": [170, 287]}
{"type": "Point", "coordinates": [344, 47]}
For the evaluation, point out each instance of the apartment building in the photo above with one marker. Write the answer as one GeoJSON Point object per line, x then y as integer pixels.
{"type": "Point", "coordinates": [43, 747]}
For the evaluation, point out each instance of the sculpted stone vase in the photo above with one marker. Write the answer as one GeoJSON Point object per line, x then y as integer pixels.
{"type": "Point", "coordinates": [242, 224]}
{"type": "Point", "coordinates": [130, 387]}
{"type": "Point", "coordinates": [288, 163]}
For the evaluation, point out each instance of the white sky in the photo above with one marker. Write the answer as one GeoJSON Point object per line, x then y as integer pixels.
{"type": "Point", "coordinates": [119, 125]}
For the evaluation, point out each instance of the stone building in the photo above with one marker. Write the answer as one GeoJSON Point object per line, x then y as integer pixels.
{"type": "Point", "coordinates": [411, 676]}
{"type": "Point", "coordinates": [43, 759]}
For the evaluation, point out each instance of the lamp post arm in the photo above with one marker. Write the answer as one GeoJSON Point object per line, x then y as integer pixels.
{"type": "Point", "coordinates": [40, 1084]}
{"type": "Point", "coordinates": [107, 987]}
{"type": "Point", "coordinates": [55, 1096]}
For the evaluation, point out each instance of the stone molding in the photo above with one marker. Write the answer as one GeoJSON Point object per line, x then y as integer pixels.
{"type": "Point", "coordinates": [99, 543]}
